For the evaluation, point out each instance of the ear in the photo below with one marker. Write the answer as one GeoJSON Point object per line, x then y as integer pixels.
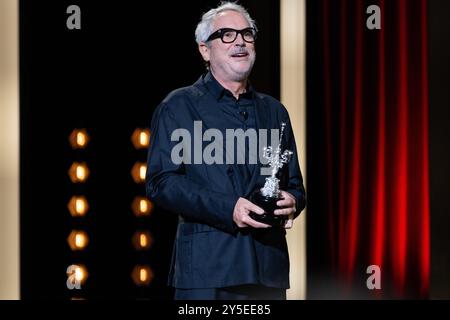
{"type": "Point", "coordinates": [204, 51]}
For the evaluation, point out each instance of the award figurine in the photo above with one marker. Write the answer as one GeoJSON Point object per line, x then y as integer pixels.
{"type": "Point", "coordinates": [267, 197]}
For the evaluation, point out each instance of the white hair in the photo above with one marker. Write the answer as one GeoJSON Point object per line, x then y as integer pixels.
{"type": "Point", "coordinates": [204, 27]}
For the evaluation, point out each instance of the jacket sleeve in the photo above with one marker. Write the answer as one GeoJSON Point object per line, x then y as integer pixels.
{"type": "Point", "coordinates": [295, 180]}
{"type": "Point", "coordinates": [168, 186]}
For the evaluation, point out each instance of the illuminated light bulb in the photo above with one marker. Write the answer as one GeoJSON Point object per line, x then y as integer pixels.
{"type": "Point", "coordinates": [81, 173]}
{"type": "Point", "coordinates": [78, 172]}
{"type": "Point", "coordinates": [141, 206]}
{"type": "Point", "coordinates": [139, 171]}
{"type": "Point", "coordinates": [140, 138]}
{"type": "Point", "coordinates": [77, 275]}
{"type": "Point", "coordinates": [79, 138]}
{"type": "Point", "coordinates": [78, 240]}
{"type": "Point", "coordinates": [142, 240]}
{"type": "Point", "coordinates": [143, 138]}
{"type": "Point", "coordinates": [80, 274]}
{"type": "Point", "coordinates": [142, 275]}
{"type": "Point", "coordinates": [78, 206]}
{"type": "Point", "coordinates": [142, 171]}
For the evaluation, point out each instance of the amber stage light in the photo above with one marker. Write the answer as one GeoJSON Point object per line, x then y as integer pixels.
{"type": "Point", "coordinates": [142, 207]}
{"type": "Point", "coordinates": [79, 138]}
{"type": "Point", "coordinates": [138, 172]}
{"type": "Point", "coordinates": [142, 240]}
{"type": "Point", "coordinates": [140, 138]}
{"type": "Point", "coordinates": [142, 275]}
{"type": "Point", "coordinates": [77, 240]}
{"type": "Point", "coordinates": [78, 172]}
{"type": "Point", "coordinates": [78, 206]}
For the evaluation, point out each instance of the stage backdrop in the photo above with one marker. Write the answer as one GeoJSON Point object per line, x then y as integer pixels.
{"type": "Point", "coordinates": [368, 182]}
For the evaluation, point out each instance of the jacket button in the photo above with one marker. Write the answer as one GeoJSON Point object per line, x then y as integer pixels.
{"type": "Point", "coordinates": [229, 169]}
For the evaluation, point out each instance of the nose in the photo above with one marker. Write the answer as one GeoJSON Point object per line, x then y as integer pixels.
{"type": "Point", "coordinates": [240, 40]}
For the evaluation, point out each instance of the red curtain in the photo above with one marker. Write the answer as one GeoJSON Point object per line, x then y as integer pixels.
{"type": "Point", "coordinates": [375, 141]}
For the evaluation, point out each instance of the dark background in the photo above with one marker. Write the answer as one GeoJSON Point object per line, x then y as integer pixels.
{"type": "Point", "coordinates": [107, 77]}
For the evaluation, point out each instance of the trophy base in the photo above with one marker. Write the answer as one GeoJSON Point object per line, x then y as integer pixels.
{"type": "Point", "coordinates": [269, 204]}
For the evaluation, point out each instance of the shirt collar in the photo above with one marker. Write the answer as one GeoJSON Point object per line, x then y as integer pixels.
{"type": "Point", "coordinates": [218, 91]}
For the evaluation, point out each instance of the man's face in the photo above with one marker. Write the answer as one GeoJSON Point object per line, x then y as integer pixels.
{"type": "Point", "coordinates": [230, 61]}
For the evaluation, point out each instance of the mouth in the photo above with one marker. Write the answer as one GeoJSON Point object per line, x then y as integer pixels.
{"type": "Point", "coordinates": [239, 55]}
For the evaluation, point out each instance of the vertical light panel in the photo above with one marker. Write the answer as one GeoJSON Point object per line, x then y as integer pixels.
{"type": "Point", "coordinates": [9, 150]}
{"type": "Point", "coordinates": [293, 96]}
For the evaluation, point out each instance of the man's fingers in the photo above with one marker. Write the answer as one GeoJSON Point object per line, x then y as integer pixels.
{"type": "Point", "coordinates": [285, 211]}
{"type": "Point", "coordinates": [287, 202]}
{"type": "Point", "coordinates": [255, 224]}
{"type": "Point", "coordinates": [289, 224]}
{"type": "Point", "coordinates": [241, 225]}
{"type": "Point", "coordinates": [254, 208]}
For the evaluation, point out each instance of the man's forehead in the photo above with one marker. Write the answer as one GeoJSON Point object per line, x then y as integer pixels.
{"type": "Point", "coordinates": [230, 19]}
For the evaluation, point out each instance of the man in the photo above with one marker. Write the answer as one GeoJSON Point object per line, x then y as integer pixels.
{"type": "Point", "coordinates": [220, 252]}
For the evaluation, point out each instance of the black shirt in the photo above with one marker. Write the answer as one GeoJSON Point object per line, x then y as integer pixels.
{"type": "Point", "coordinates": [239, 114]}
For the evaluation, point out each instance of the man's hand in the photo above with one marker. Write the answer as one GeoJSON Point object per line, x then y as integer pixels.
{"type": "Point", "coordinates": [240, 215]}
{"type": "Point", "coordinates": [289, 207]}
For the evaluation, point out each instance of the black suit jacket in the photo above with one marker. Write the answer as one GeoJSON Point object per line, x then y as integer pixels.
{"type": "Point", "coordinates": [210, 251]}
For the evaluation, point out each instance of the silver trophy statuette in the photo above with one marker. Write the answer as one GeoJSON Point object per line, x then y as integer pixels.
{"type": "Point", "coordinates": [267, 196]}
{"type": "Point", "coordinates": [276, 160]}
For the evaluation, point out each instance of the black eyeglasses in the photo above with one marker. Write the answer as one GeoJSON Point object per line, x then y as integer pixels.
{"type": "Point", "coordinates": [229, 35]}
